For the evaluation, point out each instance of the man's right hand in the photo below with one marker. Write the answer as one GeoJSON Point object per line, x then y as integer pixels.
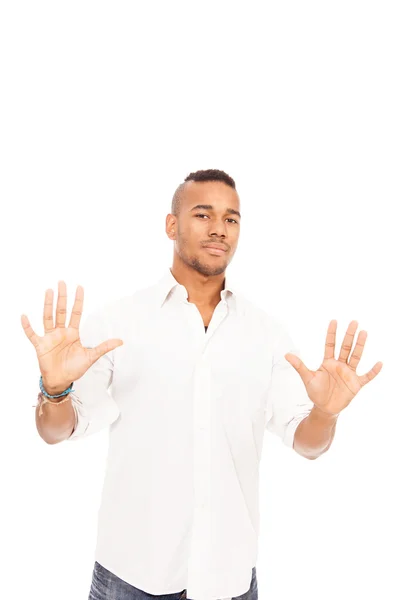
{"type": "Point", "coordinates": [62, 358]}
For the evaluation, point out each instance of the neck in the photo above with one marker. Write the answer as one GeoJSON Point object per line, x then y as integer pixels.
{"type": "Point", "coordinates": [203, 290]}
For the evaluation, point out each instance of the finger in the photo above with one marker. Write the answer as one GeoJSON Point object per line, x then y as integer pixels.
{"type": "Point", "coordinates": [30, 334]}
{"type": "Point", "coordinates": [330, 340]}
{"type": "Point", "coordinates": [77, 309]}
{"type": "Point", "coordinates": [348, 341]}
{"type": "Point", "coordinates": [300, 367]}
{"type": "Point", "coordinates": [371, 374]}
{"type": "Point", "coordinates": [61, 308]}
{"type": "Point", "coordinates": [358, 350]}
{"type": "Point", "coordinates": [48, 323]}
{"type": "Point", "coordinates": [103, 348]}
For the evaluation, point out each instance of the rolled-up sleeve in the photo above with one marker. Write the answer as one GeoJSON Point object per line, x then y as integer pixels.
{"type": "Point", "coordinates": [287, 402]}
{"type": "Point", "coordinates": [92, 398]}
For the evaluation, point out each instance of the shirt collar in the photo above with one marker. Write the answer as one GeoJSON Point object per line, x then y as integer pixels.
{"type": "Point", "coordinates": [168, 283]}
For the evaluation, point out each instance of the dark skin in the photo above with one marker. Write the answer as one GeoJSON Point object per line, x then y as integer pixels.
{"type": "Point", "coordinates": [199, 270]}
{"type": "Point", "coordinates": [334, 385]}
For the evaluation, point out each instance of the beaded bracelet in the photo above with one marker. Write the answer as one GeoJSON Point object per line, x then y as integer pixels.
{"type": "Point", "coordinates": [64, 393]}
{"type": "Point", "coordinates": [44, 397]}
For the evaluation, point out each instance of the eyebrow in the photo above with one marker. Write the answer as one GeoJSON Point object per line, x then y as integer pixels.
{"type": "Point", "coordinates": [230, 211]}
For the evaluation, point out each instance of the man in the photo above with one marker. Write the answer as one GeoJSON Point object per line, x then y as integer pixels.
{"type": "Point", "coordinates": [188, 379]}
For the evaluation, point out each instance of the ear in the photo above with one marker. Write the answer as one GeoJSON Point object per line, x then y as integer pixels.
{"type": "Point", "coordinates": [170, 226]}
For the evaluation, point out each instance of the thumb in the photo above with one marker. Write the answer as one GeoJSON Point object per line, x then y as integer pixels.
{"type": "Point", "coordinates": [300, 367]}
{"type": "Point", "coordinates": [103, 348]}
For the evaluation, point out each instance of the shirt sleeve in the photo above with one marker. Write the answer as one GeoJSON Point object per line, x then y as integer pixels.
{"type": "Point", "coordinates": [287, 401]}
{"type": "Point", "coordinates": [92, 399]}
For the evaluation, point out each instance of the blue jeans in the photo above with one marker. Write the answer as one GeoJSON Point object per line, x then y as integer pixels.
{"type": "Point", "coordinates": [107, 586]}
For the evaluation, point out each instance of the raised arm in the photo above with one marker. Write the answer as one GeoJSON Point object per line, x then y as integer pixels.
{"type": "Point", "coordinates": [62, 360]}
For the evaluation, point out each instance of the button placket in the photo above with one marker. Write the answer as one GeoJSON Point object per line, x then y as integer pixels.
{"type": "Point", "coordinates": [201, 534]}
{"type": "Point", "coordinates": [200, 554]}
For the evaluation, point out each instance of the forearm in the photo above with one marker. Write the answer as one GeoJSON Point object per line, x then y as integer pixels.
{"type": "Point", "coordinates": [315, 434]}
{"type": "Point", "coordinates": [57, 421]}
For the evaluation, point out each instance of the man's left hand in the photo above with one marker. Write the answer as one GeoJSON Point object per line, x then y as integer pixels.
{"type": "Point", "coordinates": [336, 382]}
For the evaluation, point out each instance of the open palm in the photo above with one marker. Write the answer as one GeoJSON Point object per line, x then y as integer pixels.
{"type": "Point", "coordinates": [62, 358]}
{"type": "Point", "coordinates": [333, 386]}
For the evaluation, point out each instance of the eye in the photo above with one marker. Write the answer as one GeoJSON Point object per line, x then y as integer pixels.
{"type": "Point", "coordinates": [203, 215]}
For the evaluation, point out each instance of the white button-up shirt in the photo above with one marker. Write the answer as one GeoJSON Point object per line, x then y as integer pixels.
{"type": "Point", "coordinates": [187, 411]}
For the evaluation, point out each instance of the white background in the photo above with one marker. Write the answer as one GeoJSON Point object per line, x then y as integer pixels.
{"type": "Point", "coordinates": [105, 108]}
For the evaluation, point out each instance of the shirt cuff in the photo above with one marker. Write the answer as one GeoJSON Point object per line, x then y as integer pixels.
{"type": "Point", "coordinates": [288, 438]}
{"type": "Point", "coordinates": [81, 419]}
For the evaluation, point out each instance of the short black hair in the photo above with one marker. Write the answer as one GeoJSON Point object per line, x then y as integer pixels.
{"type": "Point", "coordinates": [205, 175]}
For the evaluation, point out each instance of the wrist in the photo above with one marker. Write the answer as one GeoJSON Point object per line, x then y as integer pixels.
{"type": "Point", "coordinates": [324, 416]}
{"type": "Point", "coordinates": [53, 389]}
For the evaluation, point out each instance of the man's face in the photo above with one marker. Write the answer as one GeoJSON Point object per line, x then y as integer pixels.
{"type": "Point", "coordinates": [197, 227]}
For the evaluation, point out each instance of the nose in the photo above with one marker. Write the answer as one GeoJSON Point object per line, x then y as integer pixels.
{"type": "Point", "coordinates": [218, 229]}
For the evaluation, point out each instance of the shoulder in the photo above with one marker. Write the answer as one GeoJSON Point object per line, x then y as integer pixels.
{"type": "Point", "coordinates": [127, 308]}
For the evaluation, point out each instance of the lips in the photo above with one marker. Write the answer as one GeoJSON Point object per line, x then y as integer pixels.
{"type": "Point", "coordinates": [215, 247]}
{"type": "Point", "coordinates": [215, 251]}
